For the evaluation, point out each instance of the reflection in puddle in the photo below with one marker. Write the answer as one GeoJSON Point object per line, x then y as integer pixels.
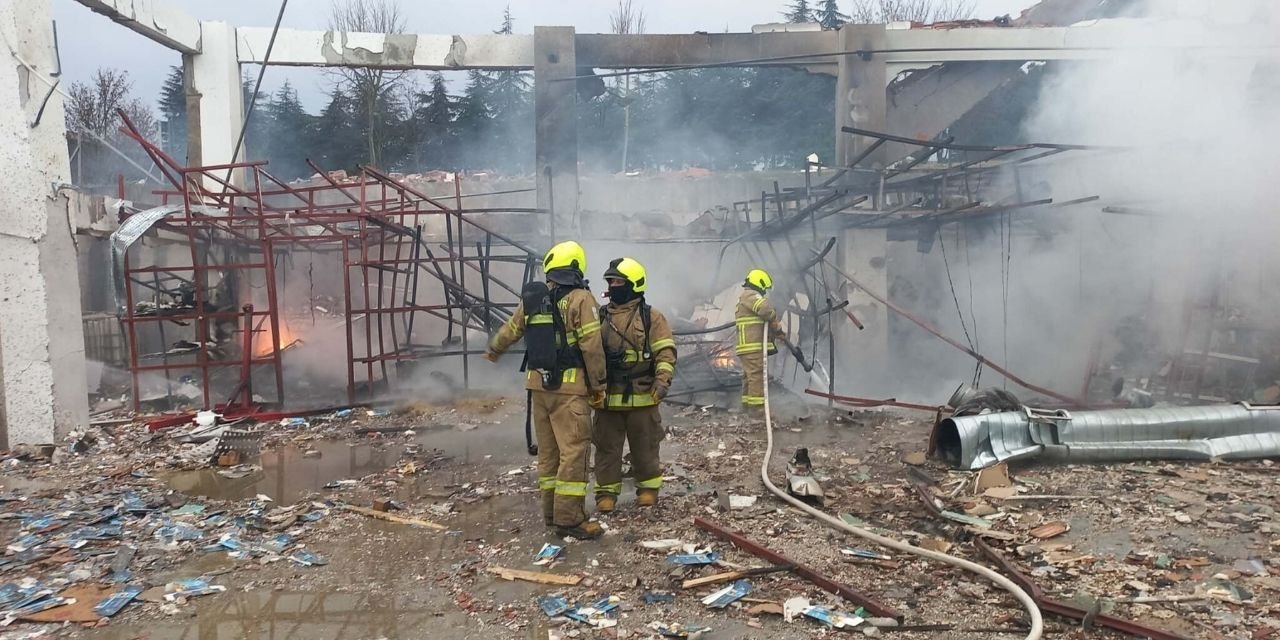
{"type": "Point", "coordinates": [286, 475]}
{"type": "Point", "coordinates": [276, 615]}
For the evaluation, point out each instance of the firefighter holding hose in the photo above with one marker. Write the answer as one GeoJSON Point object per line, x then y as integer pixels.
{"type": "Point", "coordinates": [751, 314]}
{"type": "Point", "coordinates": [566, 377]}
{"type": "Point", "coordinates": [640, 352]}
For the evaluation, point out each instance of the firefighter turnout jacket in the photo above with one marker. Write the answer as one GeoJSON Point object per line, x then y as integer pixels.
{"type": "Point", "coordinates": [641, 360]}
{"type": "Point", "coordinates": [751, 314]}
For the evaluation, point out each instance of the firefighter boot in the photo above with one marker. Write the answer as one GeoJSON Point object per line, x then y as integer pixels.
{"type": "Point", "coordinates": [606, 503]}
{"type": "Point", "coordinates": [586, 530]}
{"type": "Point", "coordinates": [646, 497]}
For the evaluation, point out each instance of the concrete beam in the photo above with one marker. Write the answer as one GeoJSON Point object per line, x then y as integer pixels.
{"type": "Point", "coordinates": [915, 110]}
{"type": "Point", "coordinates": [158, 20]}
{"type": "Point", "coordinates": [215, 100]}
{"type": "Point", "coordinates": [911, 47]}
{"type": "Point", "coordinates": [296, 47]}
{"type": "Point", "coordinates": [610, 51]}
{"type": "Point", "coordinates": [556, 112]}
{"type": "Point", "coordinates": [1090, 41]}
{"type": "Point", "coordinates": [42, 366]}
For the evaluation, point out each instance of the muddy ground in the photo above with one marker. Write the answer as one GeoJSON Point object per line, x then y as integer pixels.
{"type": "Point", "coordinates": [1144, 530]}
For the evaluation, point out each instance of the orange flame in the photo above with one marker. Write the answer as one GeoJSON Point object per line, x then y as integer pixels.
{"type": "Point", "coordinates": [724, 361]}
{"type": "Point", "coordinates": [262, 342]}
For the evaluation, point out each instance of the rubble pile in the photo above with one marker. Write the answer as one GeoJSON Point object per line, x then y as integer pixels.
{"type": "Point", "coordinates": [436, 508]}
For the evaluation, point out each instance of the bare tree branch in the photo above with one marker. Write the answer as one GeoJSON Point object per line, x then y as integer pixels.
{"type": "Point", "coordinates": [926, 11]}
{"type": "Point", "coordinates": [369, 87]}
{"type": "Point", "coordinates": [626, 18]}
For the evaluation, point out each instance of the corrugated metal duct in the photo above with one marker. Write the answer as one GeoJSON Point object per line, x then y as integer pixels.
{"type": "Point", "coordinates": [1228, 431]}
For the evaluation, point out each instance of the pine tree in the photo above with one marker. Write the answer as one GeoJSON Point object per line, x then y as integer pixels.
{"type": "Point", "coordinates": [829, 15]}
{"type": "Point", "coordinates": [510, 104]}
{"type": "Point", "coordinates": [287, 135]}
{"type": "Point", "coordinates": [433, 124]}
{"type": "Point", "coordinates": [799, 12]}
{"type": "Point", "coordinates": [259, 123]}
{"type": "Point", "coordinates": [334, 140]}
{"type": "Point", "coordinates": [473, 120]}
{"type": "Point", "coordinates": [173, 111]}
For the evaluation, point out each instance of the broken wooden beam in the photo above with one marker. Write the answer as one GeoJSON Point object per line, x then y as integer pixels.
{"type": "Point", "coordinates": [392, 518]}
{"type": "Point", "coordinates": [730, 576]}
{"type": "Point", "coordinates": [535, 576]}
{"type": "Point", "coordinates": [873, 606]}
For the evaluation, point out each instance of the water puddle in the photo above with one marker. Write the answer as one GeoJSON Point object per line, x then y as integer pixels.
{"type": "Point", "coordinates": [26, 486]}
{"type": "Point", "coordinates": [287, 475]}
{"type": "Point", "coordinates": [279, 615]}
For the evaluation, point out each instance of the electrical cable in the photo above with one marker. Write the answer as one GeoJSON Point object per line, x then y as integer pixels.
{"type": "Point", "coordinates": [253, 98]}
{"type": "Point", "coordinates": [1033, 610]}
{"type": "Point", "coordinates": [973, 317]}
{"type": "Point", "coordinates": [942, 242]}
{"type": "Point", "coordinates": [56, 86]}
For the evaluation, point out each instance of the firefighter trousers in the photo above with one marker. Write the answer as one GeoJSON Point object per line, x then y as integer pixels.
{"type": "Point", "coordinates": [752, 379]}
{"type": "Point", "coordinates": [563, 424]}
{"type": "Point", "coordinates": [641, 429]}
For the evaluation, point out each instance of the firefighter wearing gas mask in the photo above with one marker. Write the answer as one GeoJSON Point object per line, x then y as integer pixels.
{"type": "Point", "coordinates": [641, 356]}
{"type": "Point", "coordinates": [752, 313]}
{"type": "Point", "coordinates": [566, 377]}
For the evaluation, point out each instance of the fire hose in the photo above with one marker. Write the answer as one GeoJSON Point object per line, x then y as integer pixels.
{"type": "Point", "coordinates": [1033, 610]}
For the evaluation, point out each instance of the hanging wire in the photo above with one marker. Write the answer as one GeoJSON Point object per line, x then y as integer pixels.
{"type": "Point", "coordinates": [1007, 245]}
{"type": "Point", "coordinates": [963, 325]}
{"type": "Point", "coordinates": [973, 317]}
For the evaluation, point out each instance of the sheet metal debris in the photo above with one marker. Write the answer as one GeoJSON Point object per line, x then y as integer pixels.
{"type": "Point", "coordinates": [117, 601]}
{"type": "Point", "coordinates": [726, 596]}
{"type": "Point", "coordinates": [1229, 432]}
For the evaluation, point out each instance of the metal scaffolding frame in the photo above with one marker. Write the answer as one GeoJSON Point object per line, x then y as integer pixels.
{"type": "Point", "coordinates": [375, 223]}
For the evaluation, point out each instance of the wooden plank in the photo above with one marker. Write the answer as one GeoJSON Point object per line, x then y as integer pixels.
{"type": "Point", "coordinates": [392, 518]}
{"type": "Point", "coordinates": [534, 576]}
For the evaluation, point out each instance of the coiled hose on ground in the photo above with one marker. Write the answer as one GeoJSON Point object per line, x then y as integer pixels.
{"type": "Point", "coordinates": [1033, 610]}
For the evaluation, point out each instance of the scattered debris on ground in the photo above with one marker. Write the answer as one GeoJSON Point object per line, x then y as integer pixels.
{"type": "Point", "coordinates": [127, 529]}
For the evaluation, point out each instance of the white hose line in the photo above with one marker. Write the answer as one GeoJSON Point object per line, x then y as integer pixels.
{"type": "Point", "coordinates": [1037, 621]}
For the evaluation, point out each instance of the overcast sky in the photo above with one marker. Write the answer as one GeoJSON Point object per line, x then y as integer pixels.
{"type": "Point", "coordinates": [88, 41]}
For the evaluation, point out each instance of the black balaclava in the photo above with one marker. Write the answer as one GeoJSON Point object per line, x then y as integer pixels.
{"type": "Point", "coordinates": [623, 294]}
{"type": "Point", "coordinates": [566, 276]}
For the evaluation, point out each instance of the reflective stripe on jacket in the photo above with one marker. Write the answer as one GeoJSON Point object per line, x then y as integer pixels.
{"type": "Point", "coordinates": [750, 315]}
{"type": "Point", "coordinates": [623, 332]}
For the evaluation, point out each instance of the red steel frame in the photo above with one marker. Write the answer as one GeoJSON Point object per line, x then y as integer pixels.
{"type": "Point", "coordinates": [375, 222]}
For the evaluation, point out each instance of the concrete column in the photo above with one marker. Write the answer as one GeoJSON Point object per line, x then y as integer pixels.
{"type": "Point", "coordinates": [860, 90]}
{"type": "Point", "coordinates": [860, 102]}
{"type": "Point", "coordinates": [556, 110]}
{"type": "Point", "coordinates": [42, 364]}
{"type": "Point", "coordinates": [215, 99]}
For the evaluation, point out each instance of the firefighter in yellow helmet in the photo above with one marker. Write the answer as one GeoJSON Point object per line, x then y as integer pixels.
{"type": "Point", "coordinates": [566, 377]}
{"type": "Point", "coordinates": [641, 356]}
{"type": "Point", "coordinates": [751, 315]}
